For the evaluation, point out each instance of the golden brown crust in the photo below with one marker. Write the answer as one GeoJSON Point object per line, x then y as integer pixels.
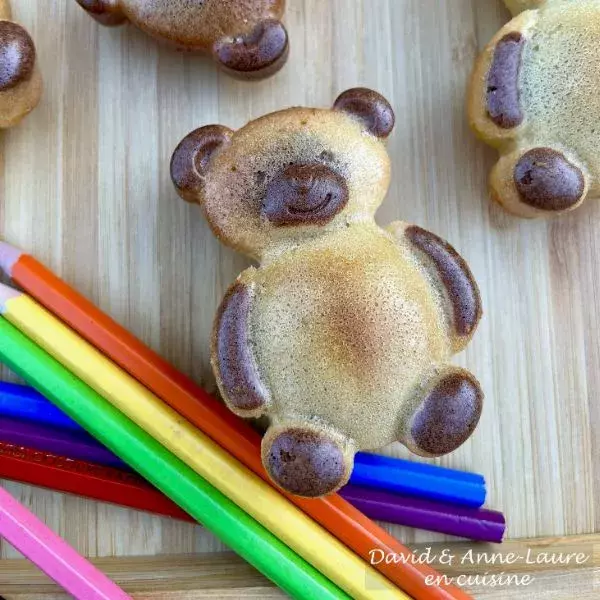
{"type": "Point", "coordinates": [545, 127]}
{"type": "Point", "coordinates": [335, 334]}
{"type": "Point", "coordinates": [245, 37]}
{"type": "Point", "coordinates": [20, 81]}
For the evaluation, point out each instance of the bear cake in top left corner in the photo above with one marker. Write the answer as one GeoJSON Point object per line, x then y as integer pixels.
{"type": "Point", "coordinates": [246, 38]}
{"type": "Point", "coordinates": [20, 79]}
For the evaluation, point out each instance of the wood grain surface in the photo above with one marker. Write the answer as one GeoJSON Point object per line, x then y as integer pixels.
{"type": "Point", "coordinates": [85, 187]}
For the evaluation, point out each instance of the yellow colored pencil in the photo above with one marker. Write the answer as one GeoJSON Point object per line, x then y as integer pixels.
{"type": "Point", "coordinates": [249, 492]}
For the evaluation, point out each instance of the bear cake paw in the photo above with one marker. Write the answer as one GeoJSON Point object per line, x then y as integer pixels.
{"type": "Point", "coordinates": [246, 38]}
{"type": "Point", "coordinates": [532, 95]}
{"type": "Point", "coordinates": [20, 80]}
{"type": "Point", "coordinates": [342, 334]}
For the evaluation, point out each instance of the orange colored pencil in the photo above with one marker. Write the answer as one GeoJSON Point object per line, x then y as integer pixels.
{"type": "Point", "coordinates": [340, 518]}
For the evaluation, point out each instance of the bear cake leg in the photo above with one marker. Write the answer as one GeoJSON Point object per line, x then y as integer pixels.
{"type": "Point", "coordinates": [446, 413]}
{"type": "Point", "coordinates": [259, 54]}
{"type": "Point", "coordinates": [538, 181]}
{"type": "Point", "coordinates": [17, 55]}
{"type": "Point", "coordinates": [307, 460]}
{"type": "Point", "coordinates": [106, 12]}
{"type": "Point", "coordinates": [20, 80]}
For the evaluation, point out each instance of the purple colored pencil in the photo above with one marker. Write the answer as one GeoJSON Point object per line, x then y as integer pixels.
{"type": "Point", "coordinates": [64, 443]}
{"type": "Point", "coordinates": [473, 524]}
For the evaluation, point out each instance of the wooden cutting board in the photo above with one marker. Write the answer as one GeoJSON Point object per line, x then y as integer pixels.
{"type": "Point", "coordinates": [85, 187]}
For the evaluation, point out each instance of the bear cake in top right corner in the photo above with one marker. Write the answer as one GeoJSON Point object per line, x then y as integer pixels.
{"type": "Point", "coordinates": [534, 96]}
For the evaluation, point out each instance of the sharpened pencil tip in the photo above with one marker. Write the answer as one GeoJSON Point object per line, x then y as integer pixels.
{"type": "Point", "coordinates": [9, 255]}
{"type": "Point", "coordinates": [6, 293]}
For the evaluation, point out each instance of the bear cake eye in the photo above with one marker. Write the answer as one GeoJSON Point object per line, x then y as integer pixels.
{"type": "Point", "coordinates": [305, 194]}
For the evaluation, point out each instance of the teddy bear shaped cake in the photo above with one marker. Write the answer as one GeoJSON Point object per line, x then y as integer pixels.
{"type": "Point", "coordinates": [342, 334]}
{"type": "Point", "coordinates": [533, 95]}
{"type": "Point", "coordinates": [20, 80]}
{"type": "Point", "coordinates": [245, 37]}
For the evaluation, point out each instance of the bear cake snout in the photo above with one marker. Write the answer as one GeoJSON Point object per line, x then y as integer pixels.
{"type": "Point", "coordinates": [305, 194]}
{"type": "Point", "coordinates": [305, 462]}
{"type": "Point", "coordinates": [17, 55]}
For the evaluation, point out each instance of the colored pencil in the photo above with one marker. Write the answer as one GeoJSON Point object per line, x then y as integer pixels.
{"type": "Point", "coordinates": [88, 480]}
{"type": "Point", "coordinates": [420, 480]}
{"type": "Point", "coordinates": [69, 448]}
{"type": "Point", "coordinates": [471, 523]}
{"type": "Point", "coordinates": [27, 404]}
{"type": "Point", "coordinates": [370, 470]}
{"type": "Point", "coordinates": [175, 479]}
{"type": "Point", "coordinates": [249, 492]}
{"type": "Point", "coordinates": [78, 446]}
{"type": "Point", "coordinates": [190, 400]}
{"type": "Point", "coordinates": [22, 529]}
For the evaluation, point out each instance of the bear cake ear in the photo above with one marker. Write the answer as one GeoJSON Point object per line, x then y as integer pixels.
{"type": "Point", "coordinates": [369, 107]}
{"type": "Point", "coordinates": [106, 12]}
{"type": "Point", "coordinates": [191, 160]}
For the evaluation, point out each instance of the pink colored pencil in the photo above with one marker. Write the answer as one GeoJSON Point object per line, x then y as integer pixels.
{"type": "Point", "coordinates": [51, 554]}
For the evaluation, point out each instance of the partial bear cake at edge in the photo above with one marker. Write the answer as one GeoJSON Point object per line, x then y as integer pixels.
{"type": "Point", "coordinates": [20, 79]}
{"type": "Point", "coordinates": [533, 95]}
{"type": "Point", "coordinates": [343, 333]}
{"type": "Point", "coordinates": [245, 37]}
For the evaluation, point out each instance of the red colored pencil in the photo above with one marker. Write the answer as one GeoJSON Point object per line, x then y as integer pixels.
{"type": "Point", "coordinates": [89, 480]}
{"type": "Point", "coordinates": [339, 517]}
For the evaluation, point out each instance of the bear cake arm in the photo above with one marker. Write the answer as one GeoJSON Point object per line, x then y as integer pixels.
{"type": "Point", "coordinates": [494, 103]}
{"type": "Point", "coordinates": [233, 360]}
{"type": "Point", "coordinates": [449, 269]}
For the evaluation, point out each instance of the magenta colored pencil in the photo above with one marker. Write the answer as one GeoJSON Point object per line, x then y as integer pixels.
{"type": "Point", "coordinates": [75, 445]}
{"type": "Point", "coordinates": [474, 524]}
{"type": "Point", "coordinates": [51, 554]}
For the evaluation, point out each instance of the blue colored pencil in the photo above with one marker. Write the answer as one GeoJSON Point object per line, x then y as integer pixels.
{"type": "Point", "coordinates": [419, 480]}
{"type": "Point", "coordinates": [24, 403]}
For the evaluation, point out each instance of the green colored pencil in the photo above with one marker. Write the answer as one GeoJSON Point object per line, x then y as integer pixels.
{"type": "Point", "coordinates": [169, 474]}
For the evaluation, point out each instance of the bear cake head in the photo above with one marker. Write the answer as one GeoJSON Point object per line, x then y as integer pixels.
{"type": "Point", "coordinates": [532, 95]}
{"type": "Point", "coordinates": [341, 336]}
{"type": "Point", "coordinates": [20, 80]}
{"type": "Point", "coordinates": [245, 37]}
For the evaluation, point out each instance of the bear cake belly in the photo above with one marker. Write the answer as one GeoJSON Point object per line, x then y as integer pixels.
{"type": "Point", "coordinates": [344, 339]}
